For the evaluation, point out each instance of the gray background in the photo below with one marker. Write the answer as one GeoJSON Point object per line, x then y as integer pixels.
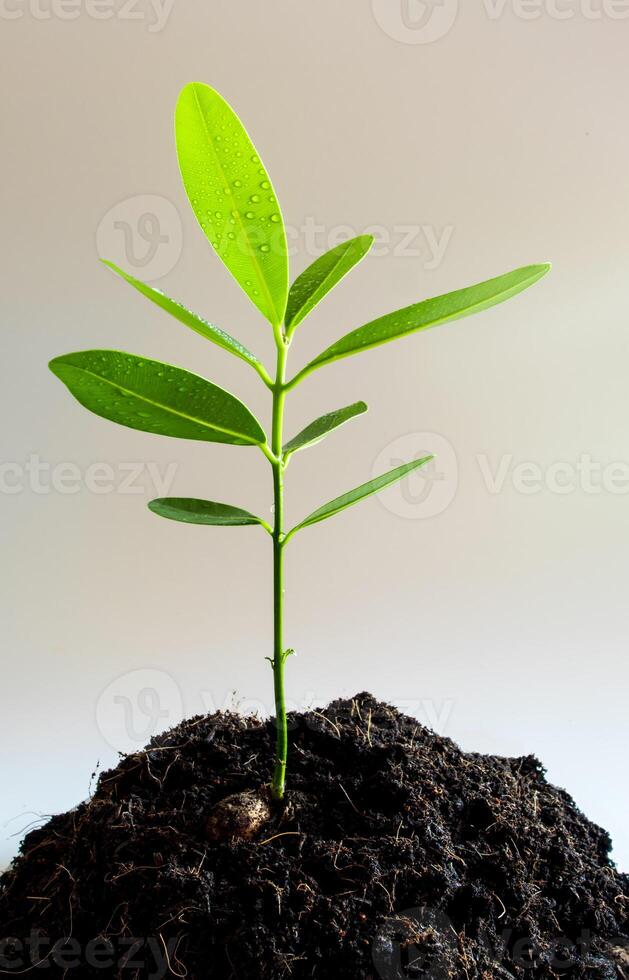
{"type": "Point", "coordinates": [490, 601]}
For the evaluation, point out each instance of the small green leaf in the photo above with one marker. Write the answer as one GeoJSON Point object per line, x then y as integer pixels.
{"type": "Point", "coordinates": [319, 429]}
{"type": "Point", "coordinates": [232, 197]}
{"type": "Point", "coordinates": [353, 496]}
{"type": "Point", "coordinates": [323, 275]}
{"type": "Point", "coordinates": [155, 397]}
{"type": "Point", "coordinates": [196, 323]}
{"type": "Point", "coordinates": [429, 313]}
{"type": "Point", "coordinates": [189, 510]}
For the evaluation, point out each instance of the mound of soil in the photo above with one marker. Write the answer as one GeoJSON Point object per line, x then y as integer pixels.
{"type": "Point", "coordinates": [396, 856]}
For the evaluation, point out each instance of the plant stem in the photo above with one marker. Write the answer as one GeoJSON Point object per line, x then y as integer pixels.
{"type": "Point", "coordinates": [279, 654]}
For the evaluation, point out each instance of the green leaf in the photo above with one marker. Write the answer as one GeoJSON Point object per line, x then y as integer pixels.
{"type": "Point", "coordinates": [429, 313]}
{"type": "Point", "coordinates": [155, 397]}
{"type": "Point", "coordinates": [319, 429]}
{"type": "Point", "coordinates": [196, 323]}
{"type": "Point", "coordinates": [323, 275]}
{"type": "Point", "coordinates": [232, 197]}
{"type": "Point", "coordinates": [366, 490]}
{"type": "Point", "coordinates": [189, 510]}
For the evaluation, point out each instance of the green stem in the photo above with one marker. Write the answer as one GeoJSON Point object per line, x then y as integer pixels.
{"type": "Point", "coordinates": [304, 373]}
{"type": "Point", "coordinates": [279, 654]}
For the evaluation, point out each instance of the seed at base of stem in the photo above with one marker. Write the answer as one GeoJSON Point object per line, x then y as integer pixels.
{"type": "Point", "coordinates": [241, 816]}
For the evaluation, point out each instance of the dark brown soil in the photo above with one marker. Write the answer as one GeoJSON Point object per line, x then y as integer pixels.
{"type": "Point", "coordinates": [397, 856]}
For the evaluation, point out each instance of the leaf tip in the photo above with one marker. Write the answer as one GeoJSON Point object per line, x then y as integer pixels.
{"type": "Point", "coordinates": [115, 268]}
{"type": "Point", "coordinates": [540, 270]}
{"type": "Point", "coordinates": [196, 90]}
{"type": "Point", "coordinates": [191, 87]}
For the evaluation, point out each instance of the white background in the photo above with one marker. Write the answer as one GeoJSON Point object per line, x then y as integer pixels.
{"type": "Point", "coordinates": [502, 618]}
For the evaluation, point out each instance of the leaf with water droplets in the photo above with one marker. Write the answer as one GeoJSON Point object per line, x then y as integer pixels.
{"type": "Point", "coordinates": [189, 510]}
{"type": "Point", "coordinates": [232, 197]}
{"type": "Point", "coordinates": [196, 323]}
{"type": "Point", "coordinates": [366, 490]}
{"type": "Point", "coordinates": [429, 313]}
{"type": "Point", "coordinates": [154, 397]}
{"type": "Point", "coordinates": [320, 428]}
{"type": "Point", "coordinates": [323, 275]}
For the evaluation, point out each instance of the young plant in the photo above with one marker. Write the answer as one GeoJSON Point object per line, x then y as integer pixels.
{"type": "Point", "coordinates": [235, 204]}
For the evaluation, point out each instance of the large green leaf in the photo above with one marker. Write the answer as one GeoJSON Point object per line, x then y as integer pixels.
{"type": "Point", "coordinates": [155, 397]}
{"type": "Point", "coordinates": [319, 429]}
{"type": "Point", "coordinates": [232, 197]}
{"type": "Point", "coordinates": [353, 496]}
{"type": "Point", "coordinates": [196, 323]}
{"type": "Point", "coordinates": [323, 275]}
{"type": "Point", "coordinates": [429, 313]}
{"type": "Point", "coordinates": [189, 510]}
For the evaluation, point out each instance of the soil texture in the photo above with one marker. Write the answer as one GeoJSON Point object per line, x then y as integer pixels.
{"type": "Point", "coordinates": [395, 855]}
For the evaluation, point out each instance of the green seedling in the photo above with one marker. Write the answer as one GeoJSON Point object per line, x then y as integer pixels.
{"type": "Point", "coordinates": [234, 201]}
